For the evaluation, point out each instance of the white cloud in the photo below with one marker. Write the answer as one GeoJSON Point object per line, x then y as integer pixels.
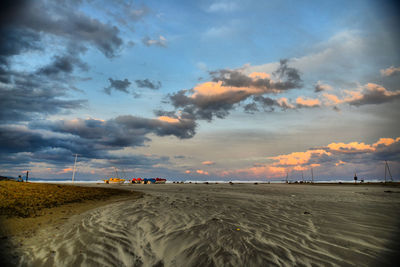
{"type": "Point", "coordinates": [224, 6]}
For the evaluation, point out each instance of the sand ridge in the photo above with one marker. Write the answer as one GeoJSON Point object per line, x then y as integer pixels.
{"type": "Point", "coordinates": [228, 225]}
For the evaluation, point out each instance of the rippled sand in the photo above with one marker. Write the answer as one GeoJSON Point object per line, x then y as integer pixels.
{"type": "Point", "coordinates": [228, 225]}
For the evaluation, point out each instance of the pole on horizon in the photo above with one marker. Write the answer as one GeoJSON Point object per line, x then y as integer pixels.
{"type": "Point", "coordinates": [73, 173]}
{"type": "Point", "coordinates": [116, 171]}
{"type": "Point", "coordinates": [302, 177]}
{"type": "Point", "coordinates": [312, 175]}
{"type": "Point", "coordinates": [388, 170]}
{"type": "Point", "coordinates": [385, 170]}
{"type": "Point", "coordinates": [27, 174]}
{"type": "Point", "coordinates": [287, 177]}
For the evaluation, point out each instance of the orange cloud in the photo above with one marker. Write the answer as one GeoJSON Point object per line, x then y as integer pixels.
{"type": "Point", "coordinates": [300, 161]}
{"type": "Point", "coordinates": [298, 158]}
{"type": "Point", "coordinates": [257, 172]}
{"type": "Point", "coordinates": [66, 170]}
{"type": "Point", "coordinates": [284, 102]}
{"type": "Point", "coordinates": [216, 88]}
{"type": "Point", "coordinates": [353, 146]}
{"type": "Point", "coordinates": [332, 99]}
{"type": "Point", "coordinates": [259, 75]}
{"type": "Point", "coordinates": [308, 102]}
{"type": "Point", "coordinates": [208, 162]}
{"type": "Point", "coordinates": [300, 168]}
{"type": "Point", "coordinates": [168, 119]}
{"type": "Point", "coordinates": [390, 71]}
{"type": "Point", "coordinates": [340, 163]}
{"type": "Point", "coordinates": [363, 95]}
{"type": "Point", "coordinates": [202, 172]}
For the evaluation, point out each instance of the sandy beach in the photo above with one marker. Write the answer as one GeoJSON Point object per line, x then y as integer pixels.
{"type": "Point", "coordinates": [227, 225]}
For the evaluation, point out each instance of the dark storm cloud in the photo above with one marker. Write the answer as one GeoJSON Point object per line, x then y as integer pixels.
{"type": "Point", "coordinates": [62, 19]}
{"type": "Point", "coordinates": [123, 131]}
{"type": "Point", "coordinates": [146, 83]}
{"type": "Point", "coordinates": [183, 129]}
{"type": "Point", "coordinates": [14, 41]}
{"type": "Point", "coordinates": [62, 64]}
{"type": "Point", "coordinates": [206, 106]}
{"type": "Point", "coordinates": [24, 25]}
{"type": "Point", "coordinates": [55, 142]}
{"type": "Point", "coordinates": [21, 145]}
{"type": "Point", "coordinates": [389, 153]}
{"type": "Point", "coordinates": [119, 85]}
{"type": "Point", "coordinates": [26, 96]}
{"type": "Point", "coordinates": [136, 161]}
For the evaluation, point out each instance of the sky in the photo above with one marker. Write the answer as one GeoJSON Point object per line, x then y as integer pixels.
{"type": "Point", "coordinates": [200, 90]}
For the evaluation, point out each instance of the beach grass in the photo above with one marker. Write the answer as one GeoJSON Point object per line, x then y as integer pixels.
{"type": "Point", "coordinates": [23, 199]}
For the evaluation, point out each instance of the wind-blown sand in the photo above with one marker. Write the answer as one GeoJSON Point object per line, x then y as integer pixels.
{"type": "Point", "coordinates": [228, 225]}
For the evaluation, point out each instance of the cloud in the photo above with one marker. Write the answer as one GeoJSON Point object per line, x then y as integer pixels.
{"type": "Point", "coordinates": [28, 96]}
{"type": "Point", "coordinates": [122, 131]}
{"type": "Point", "coordinates": [21, 146]}
{"type": "Point", "coordinates": [119, 85]}
{"type": "Point", "coordinates": [223, 6]}
{"type": "Point", "coordinates": [161, 41]}
{"type": "Point", "coordinates": [298, 158]}
{"type": "Point", "coordinates": [333, 158]}
{"type": "Point", "coordinates": [374, 94]}
{"type": "Point", "coordinates": [231, 87]}
{"type": "Point", "coordinates": [353, 147]}
{"type": "Point", "coordinates": [320, 87]}
{"type": "Point", "coordinates": [62, 19]}
{"type": "Point", "coordinates": [146, 83]}
{"type": "Point", "coordinates": [26, 27]}
{"type": "Point", "coordinates": [390, 71]}
{"type": "Point", "coordinates": [369, 94]}
{"type": "Point", "coordinates": [202, 172]}
{"type": "Point", "coordinates": [307, 103]}
{"type": "Point", "coordinates": [208, 162]}
{"type": "Point", "coordinates": [55, 142]}
{"type": "Point", "coordinates": [62, 64]}
{"type": "Point", "coordinates": [168, 119]}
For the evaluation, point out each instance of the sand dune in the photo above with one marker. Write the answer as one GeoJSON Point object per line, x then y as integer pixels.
{"type": "Point", "coordinates": [228, 225]}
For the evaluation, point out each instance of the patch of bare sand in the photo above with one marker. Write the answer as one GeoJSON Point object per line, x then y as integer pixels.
{"type": "Point", "coordinates": [229, 225]}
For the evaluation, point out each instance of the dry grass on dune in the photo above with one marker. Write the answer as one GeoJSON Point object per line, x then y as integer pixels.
{"type": "Point", "coordinates": [27, 199]}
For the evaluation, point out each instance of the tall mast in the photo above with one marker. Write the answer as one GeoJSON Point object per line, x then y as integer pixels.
{"type": "Point", "coordinates": [385, 169]}
{"type": "Point", "coordinates": [73, 173]}
{"type": "Point", "coordinates": [302, 176]}
{"type": "Point", "coordinates": [312, 175]}
{"type": "Point", "coordinates": [388, 170]}
{"type": "Point", "coordinates": [287, 177]}
{"type": "Point", "coordinates": [116, 171]}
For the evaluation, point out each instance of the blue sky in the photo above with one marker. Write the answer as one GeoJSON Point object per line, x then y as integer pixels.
{"type": "Point", "coordinates": [199, 89]}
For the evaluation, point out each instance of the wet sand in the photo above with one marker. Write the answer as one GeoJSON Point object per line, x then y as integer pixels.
{"type": "Point", "coordinates": [227, 225]}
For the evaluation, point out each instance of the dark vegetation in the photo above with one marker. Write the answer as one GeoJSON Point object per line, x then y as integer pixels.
{"type": "Point", "coordinates": [27, 199]}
